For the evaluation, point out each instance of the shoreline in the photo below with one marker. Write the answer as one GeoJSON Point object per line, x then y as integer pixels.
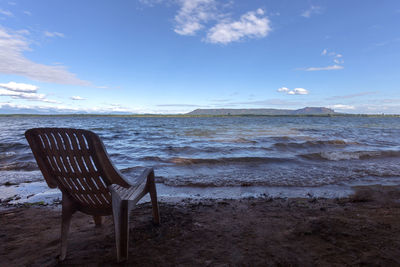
{"type": "Point", "coordinates": [38, 192]}
{"type": "Point", "coordinates": [361, 229]}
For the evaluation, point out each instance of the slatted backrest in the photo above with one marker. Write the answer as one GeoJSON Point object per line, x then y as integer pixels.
{"type": "Point", "coordinates": [75, 161]}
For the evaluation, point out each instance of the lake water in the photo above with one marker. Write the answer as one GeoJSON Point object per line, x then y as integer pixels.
{"type": "Point", "coordinates": [225, 156]}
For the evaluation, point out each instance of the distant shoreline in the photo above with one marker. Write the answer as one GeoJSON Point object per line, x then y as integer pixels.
{"type": "Point", "coordinates": [195, 116]}
{"type": "Point", "coordinates": [201, 113]}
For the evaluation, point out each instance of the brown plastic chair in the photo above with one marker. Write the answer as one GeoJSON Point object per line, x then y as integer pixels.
{"type": "Point", "coordinates": [76, 162]}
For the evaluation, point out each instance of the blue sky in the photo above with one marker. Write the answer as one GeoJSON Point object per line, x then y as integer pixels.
{"type": "Point", "coordinates": [173, 56]}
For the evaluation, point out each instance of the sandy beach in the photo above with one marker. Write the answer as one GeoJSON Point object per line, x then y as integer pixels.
{"type": "Point", "coordinates": [363, 229]}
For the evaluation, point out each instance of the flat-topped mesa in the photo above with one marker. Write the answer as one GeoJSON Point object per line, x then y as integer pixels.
{"type": "Point", "coordinates": [263, 111]}
{"type": "Point", "coordinates": [314, 110]}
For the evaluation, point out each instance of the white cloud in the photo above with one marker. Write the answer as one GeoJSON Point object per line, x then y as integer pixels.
{"type": "Point", "coordinates": [333, 67]}
{"type": "Point", "coordinates": [337, 60]}
{"type": "Point", "coordinates": [351, 95]}
{"type": "Point", "coordinates": [11, 105]}
{"type": "Point", "coordinates": [54, 109]}
{"type": "Point", "coordinates": [295, 91]}
{"type": "Point", "coordinates": [6, 13]}
{"type": "Point", "coordinates": [19, 87]}
{"type": "Point", "coordinates": [24, 95]}
{"type": "Point", "coordinates": [54, 34]}
{"type": "Point", "coordinates": [253, 24]}
{"type": "Point", "coordinates": [196, 15]}
{"type": "Point", "coordinates": [23, 91]}
{"type": "Point", "coordinates": [299, 91]}
{"type": "Point", "coordinates": [283, 89]}
{"type": "Point", "coordinates": [150, 2]}
{"type": "Point", "coordinates": [344, 107]}
{"type": "Point", "coordinates": [18, 107]}
{"type": "Point", "coordinates": [23, 32]}
{"type": "Point", "coordinates": [179, 105]}
{"type": "Point", "coordinates": [193, 14]}
{"type": "Point", "coordinates": [12, 61]}
{"type": "Point", "coordinates": [26, 12]}
{"type": "Point", "coordinates": [77, 98]}
{"type": "Point", "coordinates": [312, 10]}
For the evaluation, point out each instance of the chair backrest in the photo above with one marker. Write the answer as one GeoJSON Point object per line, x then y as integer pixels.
{"type": "Point", "coordinates": [76, 162]}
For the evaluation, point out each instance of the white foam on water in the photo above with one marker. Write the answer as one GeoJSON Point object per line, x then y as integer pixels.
{"type": "Point", "coordinates": [18, 177]}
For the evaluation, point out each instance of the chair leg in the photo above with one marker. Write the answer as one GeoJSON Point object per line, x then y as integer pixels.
{"type": "Point", "coordinates": [67, 211]}
{"type": "Point", "coordinates": [98, 220]}
{"type": "Point", "coordinates": [153, 197]}
{"type": "Point", "coordinates": [121, 225]}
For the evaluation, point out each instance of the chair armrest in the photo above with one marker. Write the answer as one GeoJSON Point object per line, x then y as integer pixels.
{"type": "Point", "coordinates": [138, 182]}
{"type": "Point", "coordinates": [136, 176]}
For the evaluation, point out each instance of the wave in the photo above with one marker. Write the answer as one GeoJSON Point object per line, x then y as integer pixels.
{"type": "Point", "coordinates": [7, 155]}
{"type": "Point", "coordinates": [346, 155]}
{"type": "Point", "coordinates": [282, 138]}
{"type": "Point", "coordinates": [242, 140]}
{"type": "Point", "coordinates": [239, 140]}
{"type": "Point", "coordinates": [152, 158]}
{"type": "Point", "coordinates": [12, 146]}
{"type": "Point", "coordinates": [296, 177]}
{"type": "Point", "coordinates": [313, 144]}
{"type": "Point", "coordinates": [191, 149]}
{"type": "Point", "coordinates": [304, 174]}
{"type": "Point", "coordinates": [199, 133]}
{"type": "Point", "coordinates": [211, 161]}
{"type": "Point", "coordinates": [18, 177]}
{"type": "Point", "coordinates": [19, 166]}
{"type": "Point", "coordinates": [190, 161]}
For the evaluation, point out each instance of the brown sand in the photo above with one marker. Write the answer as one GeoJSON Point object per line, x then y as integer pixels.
{"type": "Point", "coordinates": [360, 230]}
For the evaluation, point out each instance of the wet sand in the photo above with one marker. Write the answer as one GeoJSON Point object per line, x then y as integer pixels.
{"type": "Point", "coordinates": [363, 229]}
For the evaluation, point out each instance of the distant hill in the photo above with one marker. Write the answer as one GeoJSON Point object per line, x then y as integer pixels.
{"type": "Point", "coordinates": [263, 111]}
